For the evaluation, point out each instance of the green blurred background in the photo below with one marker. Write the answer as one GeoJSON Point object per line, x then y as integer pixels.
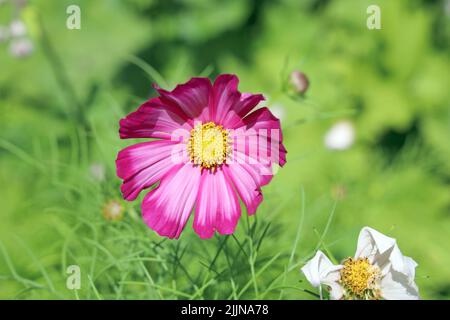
{"type": "Point", "coordinates": [62, 93]}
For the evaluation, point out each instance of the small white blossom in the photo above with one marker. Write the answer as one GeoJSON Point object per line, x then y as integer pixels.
{"type": "Point", "coordinates": [341, 136]}
{"type": "Point", "coordinates": [17, 29]}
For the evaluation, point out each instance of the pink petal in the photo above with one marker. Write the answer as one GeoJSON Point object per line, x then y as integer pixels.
{"type": "Point", "coordinates": [217, 205]}
{"type": "Point", "coordinates": [245, 184]}
{"type": "Point", "coordinates": [154, 119]}
{"type": "Point", "coordinates": [261, 127]}
{"type": "Point", "coordinates": [143, 164]}
{"type": "Point", "coordinates": [260, 172]}
{"type": "Point", "coordinates": [167, 208]}
{"type": "Point", "coordinates": [246, 104]}
{"type": "Point", "coordinates": [191, 97]}
{"type": "Point", "coordinates": [224, 97]}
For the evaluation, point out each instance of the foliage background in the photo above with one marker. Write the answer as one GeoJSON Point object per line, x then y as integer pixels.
{"type": "Point", "coordinates": [59, 113]}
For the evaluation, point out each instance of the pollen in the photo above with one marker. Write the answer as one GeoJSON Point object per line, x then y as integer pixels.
{"type": "Point", "coordinates": [209, 145]}
{"type": "Point", "coordinates": [360, 279]}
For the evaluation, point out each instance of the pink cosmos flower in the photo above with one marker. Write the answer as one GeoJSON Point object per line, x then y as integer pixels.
{"type": "Point", "coordinates": [209, 149]}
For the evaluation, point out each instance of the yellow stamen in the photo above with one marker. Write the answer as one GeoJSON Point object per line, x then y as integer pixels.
{"type": "Point", "coordinates": [359, 279]}
{"type": "Point", "coordinates": [209, 145]}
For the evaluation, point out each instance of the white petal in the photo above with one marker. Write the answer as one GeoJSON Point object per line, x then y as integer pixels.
{"type": "Point", "coordinates": [336, 291]}
{"type": "Point", "coordinates": [372, 242]}
{"type": "Point", "coordinates": [410, 267]}
{"type": "Point", "coordinates": [314, 267]}
{"type": "Point", "coordinates": [384, 252]}
{"type": "Point", "coordinates": [331, 279]}
{"type": "Point", "coordinates": [320, 270]}
{"type": "Point", "coordinates": [398, 286]}
{"type": "Point", "coordinates": [401, 263]}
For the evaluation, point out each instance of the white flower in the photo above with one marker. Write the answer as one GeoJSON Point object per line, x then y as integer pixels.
{"type": "Point", "coordinates": [341, 136]}
{"type": "Point", "coordinates": [377, 271]}
{"type": "Point", "coordinates": [17, 29]}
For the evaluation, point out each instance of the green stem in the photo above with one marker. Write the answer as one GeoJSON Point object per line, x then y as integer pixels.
{"type": "Point", "coordinates": [61, 77]}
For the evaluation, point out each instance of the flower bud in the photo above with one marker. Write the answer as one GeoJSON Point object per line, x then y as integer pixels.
{"type": "Point", "coordinates": [299, 82]}
{"type": "Point", "coordinates": [338, 192]}
{"type": "Point", "coordinates": [21, 3]}
{"type": "Point", "coordinates": [21, 48]}
{"type": "Point", "coordinates": [113, 210]}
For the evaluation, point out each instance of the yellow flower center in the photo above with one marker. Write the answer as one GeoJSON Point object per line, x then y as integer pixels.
{"type": "Point", "coordinates": [209, 145]}
{"type": "Point", "coordinates": [359, 279]}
